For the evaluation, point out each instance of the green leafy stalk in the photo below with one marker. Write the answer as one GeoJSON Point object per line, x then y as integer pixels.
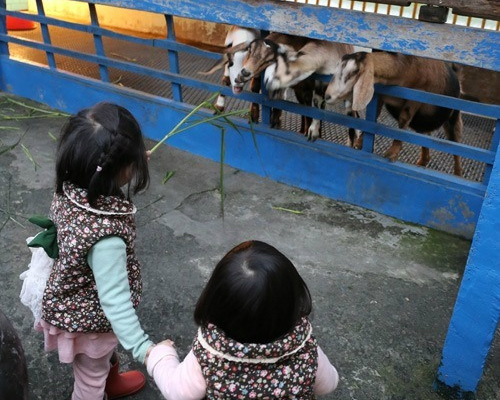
{"type": "Point", "coordinates": [183, 120]}
{"type": "Point", "coordinates": [222, 156]}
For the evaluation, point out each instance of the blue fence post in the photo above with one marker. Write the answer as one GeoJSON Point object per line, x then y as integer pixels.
{"type": "Point", "coordinates": [45, 34]}
{"type": "Point", "coordinates": [173, 58]}
{"type": "Point", "coordinates": [266, 110]}
{"type": "Point", "coordinates": [495, 141]}
{"type": "Point", "coordinates": [4, 48]}
{"type": "Point", "coordinates": [477, 308]}
{"type": "Point", "coordinates": [99, 48]}
{"type": "Point", "coordinates": [371, 115]}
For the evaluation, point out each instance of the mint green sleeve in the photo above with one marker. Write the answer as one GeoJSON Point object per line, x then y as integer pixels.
{"type": "Point", "coordinates": [108, 260]}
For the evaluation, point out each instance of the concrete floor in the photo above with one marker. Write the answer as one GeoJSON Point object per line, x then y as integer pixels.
{"type": "Point", "coordinates": [383, 290]}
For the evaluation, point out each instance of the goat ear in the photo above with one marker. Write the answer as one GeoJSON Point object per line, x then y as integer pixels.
{"type": "Point", "coordinates": [218, 65]}
{"type": "Point", "coordinates": [239, 47]}
{"type": "Point", "coordinates": [363, 89]}
{"type": "Point", "coordinates": [282, 49]}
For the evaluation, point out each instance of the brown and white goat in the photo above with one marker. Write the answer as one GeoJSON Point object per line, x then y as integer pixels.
{"type": "Point", "coordinates": [236, 36]}
{"type": "Point", "coordinates": [356, 74]}
{"type": "Point", "coordinates": [262, 53]}
{"type": "Point", "coordinates": [316, 56]}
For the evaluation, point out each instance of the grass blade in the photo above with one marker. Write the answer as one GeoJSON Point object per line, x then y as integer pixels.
{"type": "Point", "coordinates": [288, 210]}
{"type": "Point", "coordinates": [167, 176]}
{"type": "Point", "coordinates": [30, 156]}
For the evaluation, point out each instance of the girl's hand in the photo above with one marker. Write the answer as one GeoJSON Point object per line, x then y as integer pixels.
{"type": "Point", "coordinates": [167, 342]}
{"type": "Point", "coordinates": [148, 155]}
{"type": "Point", "coordinates": [147, 354]}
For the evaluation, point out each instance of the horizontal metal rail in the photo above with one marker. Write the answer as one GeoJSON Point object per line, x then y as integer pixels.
{"type": "Point", "coordinates": [486, 110]}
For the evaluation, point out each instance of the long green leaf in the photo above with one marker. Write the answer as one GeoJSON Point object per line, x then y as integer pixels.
{"type": "Point", "coordinates": [222, 156]}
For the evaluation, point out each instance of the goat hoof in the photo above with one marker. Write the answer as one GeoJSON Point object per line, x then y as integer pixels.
{"type": "Point", "coordinates": [391, 156]}
{"type": "Point", "coordinates": [422, 162]}
{"type": "Point", "coordinates": [218, 109]}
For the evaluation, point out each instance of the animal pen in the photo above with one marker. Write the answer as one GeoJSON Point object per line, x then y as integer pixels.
{"type": "Point", "coordinates": [71, 65]}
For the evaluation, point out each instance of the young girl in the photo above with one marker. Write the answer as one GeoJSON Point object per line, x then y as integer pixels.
{"type": "Point", "coordinates": [95, 284]}
{"type": "Point", "coordinates": [254, 338]}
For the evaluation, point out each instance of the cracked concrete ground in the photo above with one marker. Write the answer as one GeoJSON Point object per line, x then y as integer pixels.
{"type": "Point", "coordinates": [383, 290]}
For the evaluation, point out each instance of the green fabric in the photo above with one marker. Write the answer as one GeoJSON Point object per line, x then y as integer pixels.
{"type": "Point", "coordinates": [108, 260]}
{"type": "Point", "coordinates": [47, 238]}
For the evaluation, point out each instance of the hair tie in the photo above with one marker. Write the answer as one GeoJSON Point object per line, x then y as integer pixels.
{"type": "Point", "coordinates": [99, 168]}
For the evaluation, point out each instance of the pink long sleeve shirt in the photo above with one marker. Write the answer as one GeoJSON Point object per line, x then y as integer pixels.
{"type": "Point", "coordinates": [184, 380]}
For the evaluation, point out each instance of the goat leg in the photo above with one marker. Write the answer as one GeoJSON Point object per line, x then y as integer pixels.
{"type": "Point", "coordinates": [254, 108]}
{"type": "Point", "coordinates": [405, 116]}
{"type": "Point", "coordinates": [220, 102]}
{"type": "Point", "coordinates": [424, 157]}
{"type": "Point", "coordinates": [453, 129]}
{"type": "Point", "coordinates": [355, 135]}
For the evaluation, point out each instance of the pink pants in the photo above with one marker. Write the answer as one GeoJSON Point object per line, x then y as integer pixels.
{"type": "Point", "coordinates": [90, 376]}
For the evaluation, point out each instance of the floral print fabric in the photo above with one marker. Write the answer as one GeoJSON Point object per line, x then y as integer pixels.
{"type": "Point", "coordinates": [70, 300]}
{"type": "Point", "coordinates": [285, 368]}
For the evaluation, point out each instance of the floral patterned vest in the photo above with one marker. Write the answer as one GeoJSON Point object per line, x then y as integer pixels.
{"type": "Point", "coordinates": [285, 368]}
{"type": "Point", "coordinates": [70, 299]}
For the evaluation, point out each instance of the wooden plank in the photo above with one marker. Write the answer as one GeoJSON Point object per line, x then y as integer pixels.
{"type": "Point", "coordinates": [402, 3]}
{"type": "Point", "coordinates": [459, 44]}
{"type": "Point", "coordinates": [489, 9]}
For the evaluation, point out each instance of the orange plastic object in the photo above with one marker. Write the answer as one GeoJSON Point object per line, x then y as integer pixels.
{"type": "Point", "coordinates": [18, 24]}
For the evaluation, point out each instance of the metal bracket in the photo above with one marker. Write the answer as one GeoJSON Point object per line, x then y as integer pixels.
{"type": "Point", "coordinates": [437, 14]}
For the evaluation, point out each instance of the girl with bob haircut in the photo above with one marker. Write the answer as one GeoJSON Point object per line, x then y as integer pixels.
{"type": "Point", "coordinates": [254, 338]}
{"type": "Point", "coordinates": [95, 283]}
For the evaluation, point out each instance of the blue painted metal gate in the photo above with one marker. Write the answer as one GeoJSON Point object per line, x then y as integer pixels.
{"type": "Point", "coordinates": [404, 191]}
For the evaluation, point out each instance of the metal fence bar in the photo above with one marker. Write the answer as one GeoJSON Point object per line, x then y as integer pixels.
{"type": "Point", "coordinates": [488, 110]}
{"type": "Point", "coordinates": [371, 115]}
{"type": "Point", "coordinates": [46, 35]}
{"type": "Point", "coordinates": [495, 146]}
{"type": "Point", "coordinates": [173, 58]}
{"type": "Point", "coordinates": [4, 47]}
{"type": "Point", "coordinates": [99, 48]}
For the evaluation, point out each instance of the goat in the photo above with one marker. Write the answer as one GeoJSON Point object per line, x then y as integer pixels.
{"type": "Point", "coordinates": [236, 37]}
{"type": "Point", "coordinates": [357, 73]}
{"type": "Point", "coordinates": [262, 53]}
{"type": "Point", "coordinates": [316, 56]}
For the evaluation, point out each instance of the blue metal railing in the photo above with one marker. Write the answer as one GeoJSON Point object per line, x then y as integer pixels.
{"type": "Point", "coordinates": [481, 155]}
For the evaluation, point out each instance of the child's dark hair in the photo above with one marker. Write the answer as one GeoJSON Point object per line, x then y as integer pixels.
{"type": "Point", "coordinates": [255, 294]}
{"type": "Point", "coordinates": [96, 146]}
